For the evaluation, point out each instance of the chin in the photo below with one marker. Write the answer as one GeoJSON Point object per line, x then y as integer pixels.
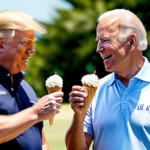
{"type": "Point", "coordinates": [107, 68]}
{"type": "Point", "coordinates": [23, 67]}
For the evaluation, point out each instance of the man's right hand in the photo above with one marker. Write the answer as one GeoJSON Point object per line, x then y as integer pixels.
{"type": "Point", "coordinates": [76, 99]}
{"type": "Point", "coordinates": [48, 105]}
{"type": "Point", "coordinates": [75, 137]}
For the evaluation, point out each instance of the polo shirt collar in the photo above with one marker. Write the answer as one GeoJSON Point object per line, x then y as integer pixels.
{"type": "Point", "coordinates": [143, 74]}
{"type": "Point", "coordinates": [112, 79]}
{"type": "Point", "coordinates": [4, 73]}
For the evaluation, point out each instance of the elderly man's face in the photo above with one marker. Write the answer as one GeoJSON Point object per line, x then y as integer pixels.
{"type": "Point", "coordinates": [114, 53]}
{"type": "Point", "coordinates": [17, 51]}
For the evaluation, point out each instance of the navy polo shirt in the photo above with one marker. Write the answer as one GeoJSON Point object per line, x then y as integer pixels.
{"type": "Point", "coordinates": [13, 99]}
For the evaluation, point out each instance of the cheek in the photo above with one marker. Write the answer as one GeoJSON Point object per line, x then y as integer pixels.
{"type": "Point", "coordinates": [110, 47]}
{"type": "Point", "coordinates": [21, 49]}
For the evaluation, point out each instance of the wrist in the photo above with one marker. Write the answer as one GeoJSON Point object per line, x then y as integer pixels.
{"type": "Point", "coordinates": [79, 117]}
{"type": "Point", "coordinates": [34, 113]}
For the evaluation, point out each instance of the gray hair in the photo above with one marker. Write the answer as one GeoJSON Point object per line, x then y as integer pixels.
{"type": "Point", "coordinates": [14, 20]}
{"type": "Point", "coordinates": [127, 26]}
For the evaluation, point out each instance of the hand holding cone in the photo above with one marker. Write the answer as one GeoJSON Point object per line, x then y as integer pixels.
{"type": "Point", "coordinates": [50, 91]}
{"type": "Point", "coordinates": [53, 84]}
{"type": "Point", "coordinates": [90, 84]}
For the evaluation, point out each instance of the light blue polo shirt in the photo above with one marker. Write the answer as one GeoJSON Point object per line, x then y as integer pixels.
{"type": "Point", "coordinates": [119, 117]}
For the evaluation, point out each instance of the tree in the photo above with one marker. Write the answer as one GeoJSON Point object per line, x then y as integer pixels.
{"type": "Point", "coordinates": [70, 48]}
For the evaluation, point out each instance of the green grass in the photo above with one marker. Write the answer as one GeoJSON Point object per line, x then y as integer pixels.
{"type": "Point", "coordinates": [55, 134]}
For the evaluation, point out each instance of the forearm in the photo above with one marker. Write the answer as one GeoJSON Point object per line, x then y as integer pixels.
{"type": "Point", "coordinates": [13, 125]}
{"type": "Point", "coordinates": [44, 142]}
{"type": "Point", "coordinates": [75, 139]}
{"type": "Point", "coordinates": [45, 147]}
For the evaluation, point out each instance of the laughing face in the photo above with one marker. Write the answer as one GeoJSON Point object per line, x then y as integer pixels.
{"type": "Point", "coordinates": [17, 50]}
{"type": "Point", "coordinates": [114, 53]}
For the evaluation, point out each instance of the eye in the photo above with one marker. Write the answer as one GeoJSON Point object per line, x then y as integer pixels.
{"type": "Point", "coordinates": [106, 40]}
{"type": "Point", "coordinates": [24, 43]}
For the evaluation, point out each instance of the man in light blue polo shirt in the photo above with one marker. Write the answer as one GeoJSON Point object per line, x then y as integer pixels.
{"type": "Point", "coordinates": [119, 116]}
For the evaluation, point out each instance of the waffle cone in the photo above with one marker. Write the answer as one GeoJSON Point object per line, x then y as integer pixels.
{"type": "Point", "coordinates": [53, 89]}
{"type": "Point", "coordinates": [50, 91]}
{"type": "Point", "coordinates": [90, 90]}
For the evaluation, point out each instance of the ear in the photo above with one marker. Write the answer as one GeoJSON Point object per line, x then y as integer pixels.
{"type": "Point", "coordinates": [1, 48]}
{"type": "Point", "coordinates": [132, 41]}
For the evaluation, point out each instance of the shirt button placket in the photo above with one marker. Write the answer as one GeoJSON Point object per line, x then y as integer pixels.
{"type": "Point", "coordinates": [12, 89]}
{"type": "Point", "coordinates": [124, 102]}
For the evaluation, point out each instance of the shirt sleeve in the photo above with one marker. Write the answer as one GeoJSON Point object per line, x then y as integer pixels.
{"type": "Point", "coordinates": [88, 128]}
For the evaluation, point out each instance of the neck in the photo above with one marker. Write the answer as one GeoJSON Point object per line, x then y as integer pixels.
{"type": "Point", "coordinates": [132, 69]}
{"type": "Point", "coordinates": [11, 79]}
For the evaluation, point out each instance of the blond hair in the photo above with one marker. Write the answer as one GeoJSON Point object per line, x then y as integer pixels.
{"type": "Point", "coordinates": [128, 25]}
{"type": "Point", "coordinates": [11, 20]}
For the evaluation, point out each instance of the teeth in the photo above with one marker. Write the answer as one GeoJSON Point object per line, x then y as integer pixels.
{"type": "Point", "coordinates": [104, 58]}
{"type": "Point", "coordinates": [25, 59]}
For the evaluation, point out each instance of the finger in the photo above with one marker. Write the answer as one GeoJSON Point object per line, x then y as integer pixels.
{"type": "Point", "coordinates": [59, 99]}
{"type": "Point", "coordinates": [50, 103]}
{"type": "Point", "coordinates": [77, 93]}
{"type": "Point", "coordinates": [51, 106]}
{"type": "Point", "coordinates": [58, 106]}
{"type": "Point", "coordinates": [75, 105]}
{"type": "Point", "coordinates": [76, 99]}
{"type": "Point", "coordinates": [57, 111]}
{"type": "Point", "coordinates": [57, 94]}
{"type": "Point", "coordinates": [50, 97]}
{"type": "Point", "coordinates": [77, 88]}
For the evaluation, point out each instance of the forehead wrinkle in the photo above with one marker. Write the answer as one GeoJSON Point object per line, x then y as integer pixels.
{"type": "Point", "coordinates": [114, 26]}
{"type": "Point", "coordinates": [102, 34]}
{"type": "Point", "coordinates": [108, 27]}
{"type": "Point", "coordinates": [109, 23]}
{"type": "Point", "coordinates": [101, 29]}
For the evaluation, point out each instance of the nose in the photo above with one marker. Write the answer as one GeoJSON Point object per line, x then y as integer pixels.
{"type": "Point", "coordinates": [31, 49]}
{"type": "Point", "coordinates": [100, 47]}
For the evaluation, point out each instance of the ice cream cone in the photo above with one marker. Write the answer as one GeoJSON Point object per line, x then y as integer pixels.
{"type": "Point", "coordinates": [90, 90]}
{"type": "Point", "coordinates": [53, 89]}
{"type": "Point", "coordinates": [50, 91]}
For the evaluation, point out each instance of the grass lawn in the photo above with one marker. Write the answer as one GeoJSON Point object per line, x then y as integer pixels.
{"type": "Point", "coordinates": [55, 134]}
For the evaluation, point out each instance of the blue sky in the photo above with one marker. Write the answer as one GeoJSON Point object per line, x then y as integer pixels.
{"type": "Point", "coordinates": [41, 10]}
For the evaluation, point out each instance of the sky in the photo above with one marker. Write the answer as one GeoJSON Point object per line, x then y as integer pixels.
{"type": "Point", "coordinates": [41, 10]}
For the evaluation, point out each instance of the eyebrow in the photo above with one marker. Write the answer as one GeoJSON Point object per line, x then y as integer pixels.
{"type": "Point", "coordinates": [28, 39]}
{"type": "Point", "coordinates": [105, 36]}
{"type": "Point", "coordinates": [102, 38]}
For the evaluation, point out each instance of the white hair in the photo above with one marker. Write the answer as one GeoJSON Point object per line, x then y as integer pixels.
{"type": "Point", "coordinates": [127, 26]}
{"type": "Point", "coordinates": [14, 20]}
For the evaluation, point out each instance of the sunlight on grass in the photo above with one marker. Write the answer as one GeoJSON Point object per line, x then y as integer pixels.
{"type": "Point", "coordinates": [55, 134]}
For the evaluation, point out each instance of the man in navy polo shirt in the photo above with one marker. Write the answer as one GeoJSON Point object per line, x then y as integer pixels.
{"type": "Point", "coordinates": [119, 116]}
{"type": "Point", "coordinates": [21, 114]}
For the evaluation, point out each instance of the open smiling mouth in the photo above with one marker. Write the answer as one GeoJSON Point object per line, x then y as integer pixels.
{"type": "Point", "coordinates": [26, 59]}
{"type": "Point", "coordinates": [104, 58]}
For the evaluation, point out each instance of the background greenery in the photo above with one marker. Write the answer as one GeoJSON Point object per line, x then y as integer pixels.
{"type": "Point", "coordinates": [69, 47]}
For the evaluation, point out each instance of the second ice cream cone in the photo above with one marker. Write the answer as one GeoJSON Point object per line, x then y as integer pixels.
{"type": "Point", "coordinates": [50, 91]}
{"type": "Point", "coordinates": [90, 83]}
{"type": "Point", "coordinates": [90, 90]}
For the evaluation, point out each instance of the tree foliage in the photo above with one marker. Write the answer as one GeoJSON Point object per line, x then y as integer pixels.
{"type": "Point", "coordinates": [69, 47]}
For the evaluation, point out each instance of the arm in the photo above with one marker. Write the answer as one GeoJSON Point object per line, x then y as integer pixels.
{"type": "Point", "coordinates": [75, 138]}
{"type": "Point", "coordinates": [13, 125]}
{"type": "Point", "coordinates": [44, 142]}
